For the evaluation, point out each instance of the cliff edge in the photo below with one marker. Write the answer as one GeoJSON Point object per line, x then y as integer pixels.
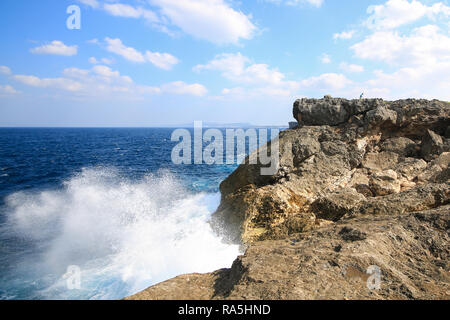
{"type": "Point", "coordinates": [361, 184]}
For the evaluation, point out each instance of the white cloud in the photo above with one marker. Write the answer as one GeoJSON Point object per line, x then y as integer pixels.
{"type": "Point", "coordinates": [231, 65]}
{"type": "Point", "coordinates": [395, 13]}
{"type": "Point", "coordinates": [345, 35]}
{"type": "Point", "coordinates": [108, 73]}
{"type": "Point", "coordinates": [211, 20]}
{"type": "Point", "coordinates": [107, 61]}
{"type": "Point", "coordinates": [238, 68]}
{"type": "Point", "coordinates": [245, 93]}
{"type": "Point", "coordinates": [325, 58]}
{"type": "Point", "coordinates": [7, 90]}
{"type": "Point", "coordinates": [258, 78]}
{"type": "Point", "coordinates": [5, 70]}
{"type": "Point", "coordinates": [164, 61]}
{"type": "Point", "coordinates": [102, 81]}
{"type": "Point", "coordinates": [316, 3]}
{"type": "Point", "coordinates": [94, 60]}
{"type": "Point", "coordinates": [56, 48]}
{"type": "Point", "coordinates": [421, 55]}
{"type": "Point", "coordinates": [180, 87]}
{"type": "Point", "coordinates": [59, 83]}
{"type": "Point", "coordinates": [326, 81]}
{"type": "Point", "coordinates": [423, 46]}
{"type": "Point", "coordinates": [76, 73]}
{"type": "Point", "coordinates": [127, 11]}
{"type": "Point", "coordinates": [91, 3]}
{"type": "Point", "coordinates": [351, 68]}
{"type": "Point", "coordinates": [429, 81]}
{"type": "Point", "coordinates": [93, 41]}
{"type": "Point", "coordinates": [116, 46]}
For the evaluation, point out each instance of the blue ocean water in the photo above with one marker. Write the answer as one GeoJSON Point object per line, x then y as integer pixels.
{"type": "Point", "coordinates": [109, 201]}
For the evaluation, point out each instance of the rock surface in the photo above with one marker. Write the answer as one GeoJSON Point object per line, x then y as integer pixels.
{"type": "Point", "coordinates": [374, 147]}
{"type": "Point", "coordinates": [360, 183]}
{"type": "Point", "coordinates": [331, 262]}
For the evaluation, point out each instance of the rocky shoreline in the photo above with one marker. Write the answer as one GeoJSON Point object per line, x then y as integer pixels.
{"type": "Point", "coordinates": [361, 183]}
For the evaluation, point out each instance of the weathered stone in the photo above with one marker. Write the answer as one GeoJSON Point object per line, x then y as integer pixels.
{"type": "Point", "coordinates": [387, 175]}
{"type": "Point", "coordinates": [381, 116]}
{"type": "Point", "coordinates": [360, 182]}
{"type": "Point", "coordinates": [293, 125]}
{"type": "Point", "coordinates": [385, 182]}
{"type": "Point", "coordinates": [410, 168]}
{"type": "Point", "coordinates": [416, 199]}
{"type": "Point", "coordinates": [352, 234]}
{"type": "Point", "coordinates": [380, 161]}
{"type": "Point", "coordinates": [304, 148]}
{"type": "Point", "coordinates": [331, 263]}
{"type": "Point", "coordinates": [403, 146]}
{"type": "Point", "coordinates": [256, 212]}
{"type": "Point", "coordinates": [443, 160]}
{"type": "Point", "coordinates": [328, 112]}
{"type": "Point", "coordinates": [433, 173]}
{"type": "Point", "coordinates": [335, 205]}
{"type": "Point", "coordinates": [320, 157]}
{"type": "Point", "coordinates": [406, 184]}
{"type": "Point", "coordinates": [411, 116]}
{"type": "Point", "coordinates": [432, 145]}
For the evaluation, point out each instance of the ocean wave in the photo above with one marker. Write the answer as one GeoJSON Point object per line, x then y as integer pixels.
{"type": "Point", "coordinates": [124, 235]}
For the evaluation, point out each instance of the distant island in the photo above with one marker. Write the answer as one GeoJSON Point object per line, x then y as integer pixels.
{"type": "Point", "coordinates": [224, 125]}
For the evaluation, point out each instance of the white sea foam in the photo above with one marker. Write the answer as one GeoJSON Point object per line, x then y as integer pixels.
{"type": "Point", "coordinates": [124, 235]}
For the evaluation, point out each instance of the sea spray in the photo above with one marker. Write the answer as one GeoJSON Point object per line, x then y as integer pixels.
{"type": "Point", "coordinates": [124, 235]}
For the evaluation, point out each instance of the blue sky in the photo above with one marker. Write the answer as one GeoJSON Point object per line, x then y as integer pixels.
{"type": "Point", "coordinates": [166, 62]}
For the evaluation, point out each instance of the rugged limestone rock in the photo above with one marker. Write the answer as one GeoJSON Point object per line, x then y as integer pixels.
{"type": "Point", "coordinates": [337, 204]}
{"type": "Point", "coordinates": [374, 147]}
{"type": "Point", "coordinates": [410, 168]}
{"type": "Point", "coordinates": [360, 183]}
{"type": "Point", "coordinates": [402, 146]}
{"type": "Point", "coordinates": [380, 161]}
{"type": "Point", "coordinates": [385, 182]}
{"type": "Point", "coordinates": [411, 252]}
{"type": "Point", "coordinates": [432, 145]}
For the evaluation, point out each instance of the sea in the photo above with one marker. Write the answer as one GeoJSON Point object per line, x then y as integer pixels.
{"type": "Point", "coordinates": [103, 213]}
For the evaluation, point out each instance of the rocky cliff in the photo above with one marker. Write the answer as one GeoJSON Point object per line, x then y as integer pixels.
{"type": "Point", "coordinates": [361, 183]}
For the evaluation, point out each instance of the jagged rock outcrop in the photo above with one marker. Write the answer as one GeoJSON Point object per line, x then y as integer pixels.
{"type": "Point", "coordinates": [331, 262]}
{"type": "Point", "coordinates": [346, 157]}
{"type": "Point", "coordinates": [359, 183]}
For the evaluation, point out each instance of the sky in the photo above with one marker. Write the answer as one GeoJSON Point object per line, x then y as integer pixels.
{"type": "Point", "coordinates": [142, 63]}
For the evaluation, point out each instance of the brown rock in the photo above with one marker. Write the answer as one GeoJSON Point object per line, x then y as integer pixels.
{"type": "Point", "coordinates": [401, 145]}
{"type": "Point", "coordinates": [411, 168]}
{"type": "Point", "coordinates": [385, 182]}
{"type": "Point", "coordinates": [380, 161]}
{"type": "Point", "coordinates": [432, 145]}
{"type": "Point", "coordinates": [443, 160]}
{"type": "Point", "coordinates": [335, 205]}
{"type": "Point", "coordinates": [314, 228]}
{"type": "Point", "coordinates": [411, 252]}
